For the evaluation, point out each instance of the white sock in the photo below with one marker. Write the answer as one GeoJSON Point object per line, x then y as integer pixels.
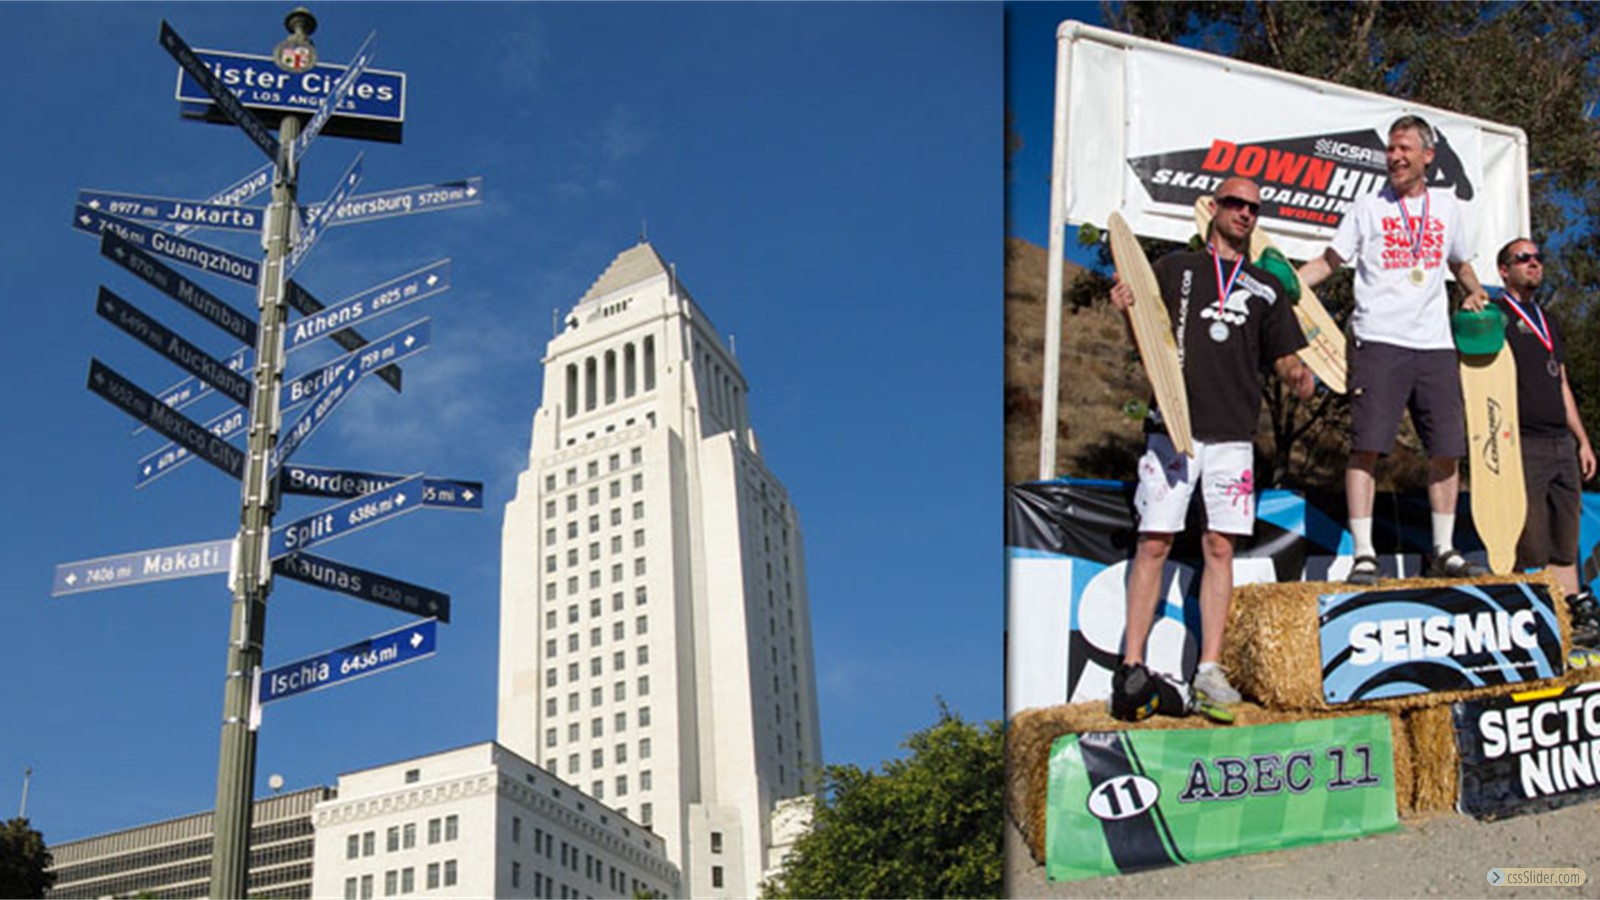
{"type": "Point", "coordinates": [1444, 530]}
{"type": "Point", "coordinates": [1361, 532]}
{"type": "Point", "coordinates": [1205, 667]}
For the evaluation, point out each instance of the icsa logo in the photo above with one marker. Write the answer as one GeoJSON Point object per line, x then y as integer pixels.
{"type": "Point", "coordinates": [1123, 797]}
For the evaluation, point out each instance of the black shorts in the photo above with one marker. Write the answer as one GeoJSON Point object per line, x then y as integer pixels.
{"type": "Point", "coordinates": [1386, 380]}
{"type": "Point", "coordinates": [1555, 497]}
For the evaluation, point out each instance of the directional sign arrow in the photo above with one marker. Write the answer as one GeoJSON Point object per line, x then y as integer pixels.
{"type": "Point", "coordinates": [253, 127]}
{"type": "Point", "coordinates": [407, 201]}
{"type": "Point", "coordinates": [237, 192]}
{"type": "Point", "coordinates": [313, 229]}
{"type": "Point", "coordinates": [370, 303]}
{"type": "Point", "coordinates": [348, 338]}
{"type": "Point", "coordinates": [369, 586]}
{"type": "Point", "coordinates": [204, 257]}
{"type": "Point", "coordinates": [136, 402]}
{"type": "Point", "coordinates": [165, 341]}
{"type": "Point", "coordinates": [335, 98]}
{"type": "Point", "coordinates": [191, 389]}
{"type": "Point", "coordinates": [169, 457]}
{"type": "Point", "coordinates": [167, 211]}
{"type": "Point", "coordinates": [375, 654]}
{"type": "Point", "coordinates": [341, 519]}
{"type": "Point", "coordinates": [142, 567]}
{"type": "Point", "coordinates": [441, 493]}
{"type": "Point", "coordinates": [163, 278]}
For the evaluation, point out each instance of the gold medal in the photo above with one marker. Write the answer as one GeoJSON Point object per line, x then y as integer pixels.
{"type": "Point", "coordinates": [1417, 276]}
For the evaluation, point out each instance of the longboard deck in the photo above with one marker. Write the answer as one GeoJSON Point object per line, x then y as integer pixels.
{"type": "Point", "coordinates": [1152, 331]}
{"type": "Point", "coordinates": [1494, 454]}
{"type": "Point", "coordinates": [1325, 344]}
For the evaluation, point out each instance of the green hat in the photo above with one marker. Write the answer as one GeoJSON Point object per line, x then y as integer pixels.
{"type": "Point", "coordinates": [1276, 265]}
{"type": "Point", "coordinates": [1479, 332]}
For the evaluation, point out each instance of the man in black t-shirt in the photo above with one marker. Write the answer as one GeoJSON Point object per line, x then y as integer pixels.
{"type": "Point", "coordinates": [1232, 320]}
{"type": "Point", "coordinates": [1555, 447]}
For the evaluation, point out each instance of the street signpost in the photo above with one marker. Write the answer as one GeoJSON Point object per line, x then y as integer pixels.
{"type": "Point", "coordinates": [170, 456]}
{"type": "Point", "coordinates": [191, 389]}
{"type": "Point", "coordinates": [375, 654]}
{"type": "Point", "coordinates": [340, 519]}
{"type": "Point", "coordinates": [313, 229]}
{"type": "Point", "coordinates": [341, 378]}
{"type": "Point", "coordinates": [143, 567]}
{"type": "Point", "coordinates": [163, 278]}
{"type": "Point", "coordinates": [165, 341]}
{"type": "Point", "coordinates": [348, 338]}
{"type": "Point", "coordinates": [167, 211]}
{"type": "Point", "coordinates": [214, 88]}
{"type": "Point", "coordinates": [370, 303]}
{"type": "Point", "coordinates": [374, 109]}
{"type": "Point", "coordinates": [315, 481]}
{"type": "Point", "coordinates": [204, 257]}
{"type": "Point", "coordinates": [335, 98]}
{"type": "Point", "coordinates": [136, 402]}
{"type": "Point", "coordinates": [360, 583]}
{"type": "Point", "coordinates": [406, 201]}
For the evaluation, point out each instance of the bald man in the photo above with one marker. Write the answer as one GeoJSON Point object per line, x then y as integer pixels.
{"type": "Point", "coordinates": [1233, 321]}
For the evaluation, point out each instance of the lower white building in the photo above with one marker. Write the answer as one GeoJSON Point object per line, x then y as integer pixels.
{"type": "Point", "coordinates": [479, 821]}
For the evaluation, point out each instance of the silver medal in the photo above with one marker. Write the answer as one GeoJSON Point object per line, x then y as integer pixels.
{"type": "Point", "coordinates": [1552, 367]}
{"type": "Point", "coordinates": [1219, 332]}
{"type": "Point", "coordinates": [1417, 276]}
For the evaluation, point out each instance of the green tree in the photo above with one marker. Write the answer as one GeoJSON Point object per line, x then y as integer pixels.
{"type": "Point", "coordinates": [23, 861]}
{"type": "Point", "coordinates": [1534, 65]}
{"type": "Point", "coordinates": [928, 825]}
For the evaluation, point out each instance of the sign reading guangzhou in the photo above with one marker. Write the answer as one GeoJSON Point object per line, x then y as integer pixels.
{"type": "Point", "coordinates": [1391, 643]}
{"type": "Point", "coordinates": [1312, 178]}
{"type": "Point", "coordinates": [374, 108]}
{"type": "Point", "coordinates": [1126, 801]}
{"type": "Point", "coordinates": [1529, 752]}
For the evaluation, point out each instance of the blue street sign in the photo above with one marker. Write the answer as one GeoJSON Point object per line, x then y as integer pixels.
{"type": "Point", "coordinates": [136, 402]}
{"type": "Point", "coordinates": [163, 278]}
{"type": "Point", "coordinates": [348, 338]}
{"type": "Point", "coordinates": [165, 341]}
{"type": "Point", "coordinates": [441, 493]}
{"type": "Point", "coordinates": [166, 211]}
{"type": "Point", "coordinates": [341, 519]}
{"type": "Point", "coordinates": [374, 109]}
{"type": "Point", "coordinates": [339, 378]}
{"type": "Point", "coordinates": [407, 201]}
{"type": "Point", "coordinates": [142, 567]}
{"type": "Point", "coordinates": [370, 303]}
{"type": "Point", "coordinates": [375, 654]}
{"type": "Point", "coordinates": [214, 88]}
{"type": "Point", "coordinates": [204, 257]}
{"type": "Point", "coordinates": [368, 586]}
{"type": "Point", "coordinates": [332, 102]}
{"type": "Point", "coordinates": [313, 228]}
{"type": "Point", "coordinates": [237, 193]}
{"type": "Point", "coordinates": [191, 389]}
{"type": "Point", "coordinates": [169, 457]}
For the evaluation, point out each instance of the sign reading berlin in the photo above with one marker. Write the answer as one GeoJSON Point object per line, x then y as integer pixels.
{"type": "Point", "coordinates": [374, 108]}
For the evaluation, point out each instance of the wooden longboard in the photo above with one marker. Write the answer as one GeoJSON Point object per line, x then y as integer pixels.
{"type": "Point", "coordinates": [1325, 344]}
{"type": "Point", "coordinates": [1494, 454]}
{"type": "Point", "coordinates": [1152, 331]}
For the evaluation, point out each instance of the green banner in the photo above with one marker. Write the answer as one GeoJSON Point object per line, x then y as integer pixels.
{"type": "Point", "coordinates": [1125, 801]}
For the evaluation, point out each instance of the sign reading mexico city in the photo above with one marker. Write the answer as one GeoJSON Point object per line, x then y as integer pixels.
{"type": "Point", "coordinates": [373, 109]}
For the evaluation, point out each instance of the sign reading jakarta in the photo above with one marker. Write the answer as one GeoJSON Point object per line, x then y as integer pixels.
{"type": "Point", "coordinates": [374, 107]}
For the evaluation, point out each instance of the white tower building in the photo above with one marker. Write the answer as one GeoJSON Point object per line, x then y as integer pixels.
{"type": "Point", "coordinates": [655, 634]}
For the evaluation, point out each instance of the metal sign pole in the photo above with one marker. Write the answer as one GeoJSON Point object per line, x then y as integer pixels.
{"type": "Point", "coordinates": [236, 765]}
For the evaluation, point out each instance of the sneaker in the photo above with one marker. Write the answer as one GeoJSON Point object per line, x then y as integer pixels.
{"type": "Point", "coordinates": [1364, 572]}
{"type": "Point", "coordinates": [1451, 564]}
{"type": "Point", "coordinates": [1133, 693]}
{"type": "Point", "coordinates": [1585, 620]}
{"type": "Point", "coordinates": [1212, 684]}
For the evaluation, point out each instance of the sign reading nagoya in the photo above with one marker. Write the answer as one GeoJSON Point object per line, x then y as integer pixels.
{"type": "Point", "coordinates": [1390, 643]}
{"type": "Point", "coordinates": [142, 567]}
{"type": "Point", "coordinates": [1529, 752]}
{"type": "Point", "coordinates": [374, 107]}
{"type": "Point", "coordinates": [375, 654]}
{"type": "Point", "coordinates": [1126, 801]}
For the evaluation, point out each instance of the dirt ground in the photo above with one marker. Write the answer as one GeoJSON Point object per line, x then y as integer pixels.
{"type": "Point", "coordinates": [1445, 855]}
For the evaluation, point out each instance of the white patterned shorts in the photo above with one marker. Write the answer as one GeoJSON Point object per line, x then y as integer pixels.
{"type": "Point", "coordinates": [1167, 480]}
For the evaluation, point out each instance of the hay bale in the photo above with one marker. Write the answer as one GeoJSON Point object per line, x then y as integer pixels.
{"type": "Point", "coordinates": [1273, 653]}
{"type": "Point", "coordinates": [1431, 734]}
{"type": "Point", "coordinates": [1030, 734]}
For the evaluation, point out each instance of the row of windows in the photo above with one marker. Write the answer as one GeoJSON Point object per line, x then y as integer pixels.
{"type": "Point", "coordinates": [597, 788]}
{"type": "Point", "coordinates": [619, 661]}
{"type": "Point", "coordinates": [551, 537]}
{"type": "Point", "coordinates": [619, 631]}
{"type": "Point", "coordinates": [592, 497]}
{"type": "Point", "coordinates": [619, 693]}
{"type": "Point", "coordinates": [402, 881]}
{"type": "Point", "coordinates": [401, 837]}
{"type": "Point", "coordinates": [598, 382]}
{"type": "Point", "coordinates": [550, 561]}
{"type": "Point", "coordinates": [260, 835]}
{"type": "Point", "coordinates": [619, 756]}
{"type": "Point", "coordinates": [170, 879]}
{"type": "Point", "coordinates": [597, 727]}
{"type": "Point", "coordinates": [592, 470]}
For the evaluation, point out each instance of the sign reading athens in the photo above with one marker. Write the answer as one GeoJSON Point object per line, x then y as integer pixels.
{"type": "Point", "coordinates": [373, 109]}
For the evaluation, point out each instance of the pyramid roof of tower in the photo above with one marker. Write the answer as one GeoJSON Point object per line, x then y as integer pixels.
{"type": "Point", "coordinates": [638, 263]}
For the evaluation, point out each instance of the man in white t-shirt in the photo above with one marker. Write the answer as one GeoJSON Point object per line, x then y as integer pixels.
{"type": "Point", "coordinates": [1401, 240]}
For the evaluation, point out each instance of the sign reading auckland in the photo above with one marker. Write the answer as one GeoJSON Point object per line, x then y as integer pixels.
{"type": "Point", "coordinates": [375, 654]}
{"type": "Point", "coordinates": [374, 107]}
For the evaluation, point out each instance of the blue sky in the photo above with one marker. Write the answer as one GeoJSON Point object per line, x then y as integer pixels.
{"type": "Point", "coordinates": [826, 177]}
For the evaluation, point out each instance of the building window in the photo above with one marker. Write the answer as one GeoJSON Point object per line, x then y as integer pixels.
{"type": "Point", "coordinates": [433, 824]}
{"type": "Point", "coordinates": [408, 880]}
{"type": "Point", "coordinates": [616, 516]}
{"type": "Point", "coordinates": [644, 748]}
{"type": "Point", "coordinates": [617, 631]}
{"type": "Point", "coordinates": [597, 758]}
{"type": "Point", "coordinates": [391, 883]}
{"type": "Point", "coordinates": [516, 874]}
{"type": "Point", "coordinates": [449, 871]}
{"type": "Point", "coordinates": [640, 596]}
{"type": "Point", "coordinates": [645, 813]}
{"type": "Point", "coordinates": [572, 731]}
{"type": "Point", "coordinates": [716, 842]}
{"type": "Point", "coordinates": [549, 509]}
{"type": "Point", "coordinates": [594, 579]}
{"type": "Point", "coordinates": [550, 647]}
{"type": "Point", "coordinates": [594, 496]}
{"type": "Point", "coordinates": [621, 753]}
{"type": "Point", "coordinates": [572, 672]}
{"type": "Point", "coordinates": [352, 847]}
{"type": "Point", "coordinates": [572, 503]}
{"type": "Point", "coordinates": [644, 716]}
{"type": "Point", "coordinates": [549, 741]}
{"type": "Point", "coordinates": [622, 721]}
{"type": "Point", "coordinates": [516, 830]}
{"type": "Point", "coordinates": [572, 701]}
{"type": "Point", "coordinates": [644, 780]}
{"type": "Point", "coordinates": [350, 888]}
{"type": "Point", "coordinates": [716, 876]}
{"type": "Point", "coordinates": [622, 785]}
{"type": "Point", "coordinates": [644, 685]}
{"type": "Point", "coordinates": [596, 696]}
{"type": "Point", "coordinates": [366, 887]}
{"type": "Point", "coordinates": [616, 543]}
{"type": "Point", "coordinates": [451, 827]}
{"type": "Point", "coordinates": [636, 483]}
{"type": "Point", "coordinates": [638, 537]}
{"type": "Point", "coordinates": [597, 727]}
{"type": "Point", "coordinates": [572, 764]}
{"type": "Point", "coordinates": [619, 659]}
{"type": "Point", "coordinates": [595, 665]}
{"type": "Point", "coordinates": [369, 843]}
{"type": "Point", "coordinates": [550, 536]}
{"type": "Point", "coordinates": [613, 462]}
{"type": "Point", "coordinates": [636, 455]}
{"type": "Point", "coordinates": [550, 482]}
{"type": "Point", "coordinates": [408, 836]}
{"type": "Point", "coordinates": [597, 790]}
{"type": "Point", "coordinates": [641, 625]}
{"type": "Point", "coordinates": [619, 691]}
{"type": "Point", "coordinates": [549, 563]}
{"type": "Point", "coordinates": [643, 653]}
{"type": "Point", "coordinates": [433, 876]}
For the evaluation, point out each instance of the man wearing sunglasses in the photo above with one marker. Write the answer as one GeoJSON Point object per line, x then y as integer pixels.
{"type": "Point", "coordinates": [1401, 239]}
{"type": "Point", "coordinates": [1232, 321]}
{"type": "Point", "coordinates": [1555, 447]}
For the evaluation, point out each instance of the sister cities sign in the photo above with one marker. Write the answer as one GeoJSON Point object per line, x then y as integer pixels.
{"type": "Point", "coordinates": [1144, 128]}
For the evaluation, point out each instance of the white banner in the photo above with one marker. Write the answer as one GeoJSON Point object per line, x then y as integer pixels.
{"type": "Point", "coordinates": [1147, 127]}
